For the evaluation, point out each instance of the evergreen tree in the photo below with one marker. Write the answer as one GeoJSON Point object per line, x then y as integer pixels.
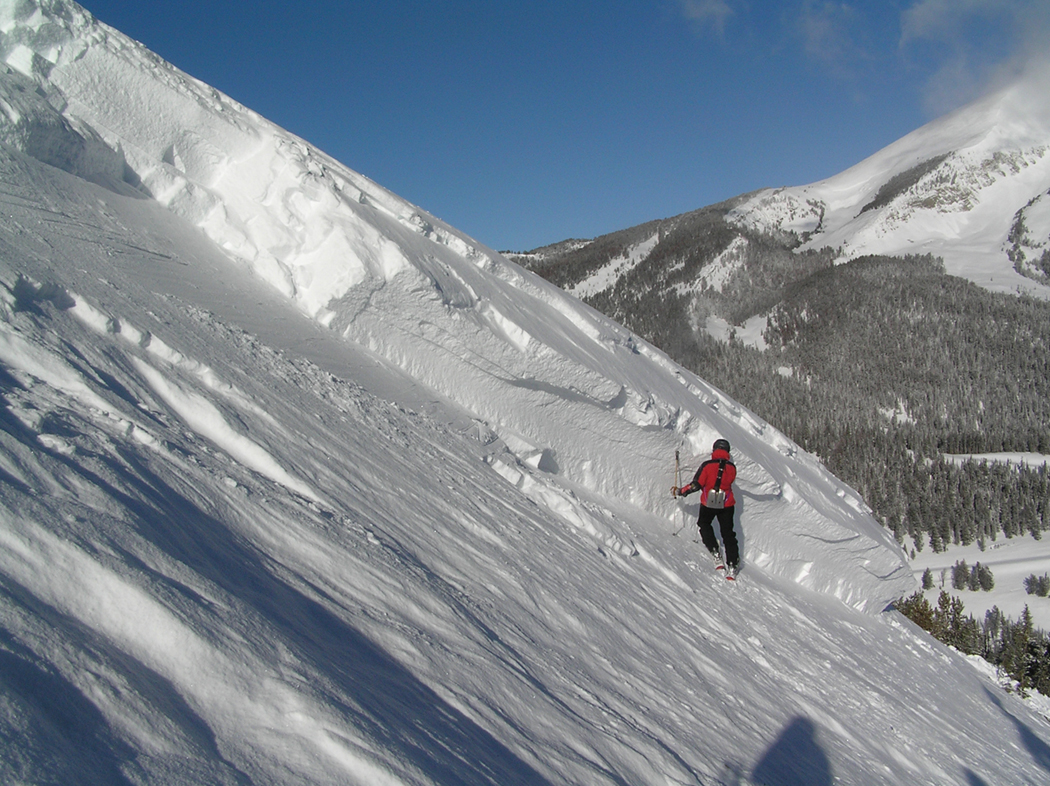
{"type": "Point", "coordinates": [974, 582]}
{"type": "Point", "coordinates": [994, 623]}
{"type": "Point", "coordinates": [1017, 649]}
{"type": "Point", "coordinates": [918, 609]}
{"type": "Point", "coordinates": [1041, 666]}
{"type": "Point", "coordinates": [1015, 657]}
{"type": "Point", "coordinates": [1037, 585]}
{"type": "Point", "coordinates": [985, 578]}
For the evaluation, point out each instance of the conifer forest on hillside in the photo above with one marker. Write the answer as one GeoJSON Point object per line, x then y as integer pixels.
{"type": "Point", "coordinates": [884, 367]}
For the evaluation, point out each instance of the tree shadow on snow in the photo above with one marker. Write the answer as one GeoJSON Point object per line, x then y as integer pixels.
{"type": "Point", "coordinates": [795, 759]}
{"type": "Point", "coordinates": [1035, 745]}
{"type": "Point", "coordinates": [376, 696]}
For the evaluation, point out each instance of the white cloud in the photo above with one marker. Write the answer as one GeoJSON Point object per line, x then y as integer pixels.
{"type": "Point", "coordinates": [713, 13]}
{"type": "Point", "coordinates": [828, 32]}
{"type": "Point", "coordinates": [974, 45]}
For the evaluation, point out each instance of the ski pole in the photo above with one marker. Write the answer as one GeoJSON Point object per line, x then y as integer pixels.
{"type": "Point", "coordinates": [678, 485]}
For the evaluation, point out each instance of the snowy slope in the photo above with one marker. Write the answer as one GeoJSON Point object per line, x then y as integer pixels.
{"type": "Point", "coordinates": [956, 188]}
{"type": "Point", "coordinates": [533, 365]}
{"type": "Point", "coordinates": [300, 485]}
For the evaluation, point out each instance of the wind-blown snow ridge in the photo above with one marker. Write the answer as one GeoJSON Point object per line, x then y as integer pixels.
{"type": "Point", "coordinates": [300, 485]}
{"type": "Point", "coordinates": [453, 314]}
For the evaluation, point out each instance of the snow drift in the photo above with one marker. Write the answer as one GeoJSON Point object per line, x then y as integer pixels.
{"type": "Point", "coordinates": [299, 484]}
{"type": "Point", "coordinates": [535, 366]}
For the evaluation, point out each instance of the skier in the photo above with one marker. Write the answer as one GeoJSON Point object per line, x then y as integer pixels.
{"type": "Point", "coordinates": [714, 481]}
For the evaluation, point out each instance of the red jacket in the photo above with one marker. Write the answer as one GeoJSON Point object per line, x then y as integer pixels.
{"type": "Point", "coordinates": [706, 476]}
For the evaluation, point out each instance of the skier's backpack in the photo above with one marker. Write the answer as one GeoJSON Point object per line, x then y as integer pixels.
{"type": "Point", "coordinates": [716, 498]}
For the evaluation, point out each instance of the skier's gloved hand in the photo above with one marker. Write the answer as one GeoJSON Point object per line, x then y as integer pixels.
{"type": "Point", "coordinates": [674, 491]}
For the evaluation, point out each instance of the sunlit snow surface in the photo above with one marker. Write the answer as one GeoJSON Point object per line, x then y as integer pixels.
{"type": "Point", "coordinates": [300, 485]}
{"type": "Point", "coordinates": [1011, 561]}
{"type": "Point", "coordinates": [975, 172]}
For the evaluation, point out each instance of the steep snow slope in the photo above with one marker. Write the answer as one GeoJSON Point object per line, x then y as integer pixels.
{"type": "Point", "coordinates": [972, 187]}
{"type": "Point", "coordinates": [530, 363]}
{"type": "Point", "coordinates": [326, 492]}
{"type": "Point", "coordinates": [224, 563]}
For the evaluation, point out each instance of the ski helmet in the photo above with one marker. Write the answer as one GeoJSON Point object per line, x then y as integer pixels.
{"type": "Point", "coordinates": [721, 444]}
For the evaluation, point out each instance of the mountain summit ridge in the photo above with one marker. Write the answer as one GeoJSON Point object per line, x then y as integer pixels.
{"type": "Point", "coordinates": [958, 188]}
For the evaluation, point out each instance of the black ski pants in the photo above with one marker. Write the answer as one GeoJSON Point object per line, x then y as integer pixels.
{"type": "Point", "coordinates": [725, 524]}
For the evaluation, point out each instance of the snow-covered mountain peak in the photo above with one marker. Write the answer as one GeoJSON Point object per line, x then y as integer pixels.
{"type": "Point", "coordinates": [971, 187]}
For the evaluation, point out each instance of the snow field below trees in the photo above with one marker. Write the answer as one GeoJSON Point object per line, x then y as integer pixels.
{"type": "Point", "coordinates": [1011, 560]}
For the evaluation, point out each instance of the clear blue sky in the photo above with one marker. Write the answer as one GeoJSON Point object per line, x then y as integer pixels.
{"type": "Point", "coordinates": [524, 123]}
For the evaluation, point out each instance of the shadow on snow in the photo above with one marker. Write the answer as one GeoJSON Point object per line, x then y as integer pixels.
{"type": "Point", "coordinates": [374, 694]}
{"type": "Point", "coordinates": [795, 759]}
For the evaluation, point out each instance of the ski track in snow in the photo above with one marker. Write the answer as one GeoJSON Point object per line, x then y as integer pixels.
{"type": "Point", "coordinates": [299, 485]}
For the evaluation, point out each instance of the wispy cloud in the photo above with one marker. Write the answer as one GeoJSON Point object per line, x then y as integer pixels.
{"type": "Point", "coordinates": [707, 13]}
{"type": "Point", "coordinates": [952, 51]}
{"type": "Point", "coordinates": [973, 46]}
{"type": "Point", "coordinates": [831, 34]}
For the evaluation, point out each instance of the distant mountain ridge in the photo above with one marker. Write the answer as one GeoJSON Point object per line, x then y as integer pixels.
{"type": "Point", "coordinates": [871, 316]}
{"type": "Point", "coordinates": [972, 188]}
